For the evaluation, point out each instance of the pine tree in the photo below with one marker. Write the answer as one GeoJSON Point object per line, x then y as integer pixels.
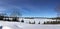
{"type": "Point", "coordinates": [29, 22]}
{"type": "Point", "coordinates": [39, 22]}
{"type": "Point", "coordinates": [22, 21]}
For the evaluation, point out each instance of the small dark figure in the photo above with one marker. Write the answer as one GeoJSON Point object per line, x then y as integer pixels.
{"type": "Point", "coordinates": [44, 22]}
{"type": "Point", "coordinates": [22, 21]}
{"type": "Point", "coordinates": [39, 22]}
{"type": "Point", "coordinates": [29, 22]}
{"type": "Point", "coordinates": [33, 22]}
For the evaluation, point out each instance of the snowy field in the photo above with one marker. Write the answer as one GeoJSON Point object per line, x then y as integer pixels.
{"type": "Point", "coordinates": [36, 20]}
{"type": "Point", "coordinates": [25, 25]}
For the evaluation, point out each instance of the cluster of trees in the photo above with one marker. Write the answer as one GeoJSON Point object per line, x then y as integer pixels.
{"type": "Point", "coordinates": [6, 18]}
{"type": "Point", "coordinates": [29, 22]}
{"type": "Point", "coordinates": [1, 17]}
{"type": "Point", "coordinates": [52, 22]}
{"type": "Point", "coordinates": [33, 22]}
{"type": "Point", "coordinates": [15, 13]}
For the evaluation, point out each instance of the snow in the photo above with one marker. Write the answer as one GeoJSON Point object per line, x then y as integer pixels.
{"type": "Point", "coordinates": [13, 25]}
{"type": "Point", "coordinates": [37, 20]}
{"type": "Point", "coordinates": [26, 25]}
{"type": "Point", "coordinates": [6, 27]}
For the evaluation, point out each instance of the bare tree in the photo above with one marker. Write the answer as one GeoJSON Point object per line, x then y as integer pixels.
{"type": "Point", "coordinates": [57, 9]}
{"type": "Point", "coordinates": [3, 14]}
{"type": "Point", "coordinates": [16, 12]}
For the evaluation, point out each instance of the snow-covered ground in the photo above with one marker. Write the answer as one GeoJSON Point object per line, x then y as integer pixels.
{"type": "Point", "coordinates": [36, 20]}
{"type": "Point", "coordinates": [25, 25]}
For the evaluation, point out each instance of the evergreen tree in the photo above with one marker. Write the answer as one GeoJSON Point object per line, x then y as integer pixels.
{"type": "Point", "coordinates": [22, 21]}
{"type": "Point", "coordinates": [39, 22]}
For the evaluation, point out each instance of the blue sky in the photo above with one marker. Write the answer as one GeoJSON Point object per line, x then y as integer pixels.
{"type": "Point", "coordinates": [38, 8]}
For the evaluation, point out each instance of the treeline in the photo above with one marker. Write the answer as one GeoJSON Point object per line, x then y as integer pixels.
{"type": "Point", "coordinates": [6, 18]}
{"type": "Point", "coordinates": [52, 22]}
{"type": "Point", "coordinates": [58, 18]}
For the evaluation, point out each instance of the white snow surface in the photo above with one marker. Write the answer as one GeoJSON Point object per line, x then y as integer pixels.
{"type": "Point", "coordinates": [25, 25]}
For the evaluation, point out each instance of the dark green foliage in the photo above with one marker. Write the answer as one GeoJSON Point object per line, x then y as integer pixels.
{"type": "Point", "coordinates": [57, 18]}
{"type": "Point", "coordinates": [31, 22]}
{"type": "Point", "coordinates": [34, 22]}
{"type": "Point", "coordinates": [1, 17]}
{"type": "Point", "coordinates": [44, 23]}
{"type": "Point", "coordinates": [29, 18]}
{"type": "Point", "coordinates": [13, 18]}
{"type": "Point", "coordinates": [52, 22]}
